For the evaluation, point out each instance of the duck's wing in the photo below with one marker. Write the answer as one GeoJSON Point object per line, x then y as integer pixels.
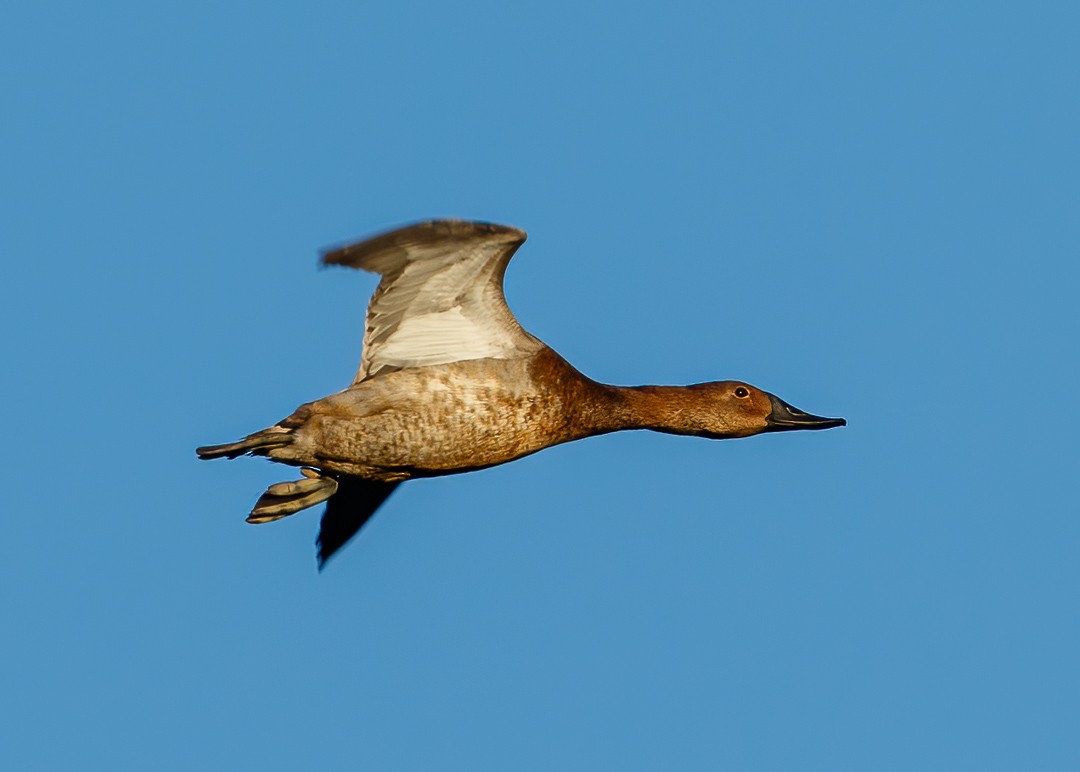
{"type": "Point", "coordinates": [441, 295]}
{"type": "Point", "coordinates": [347, 511]}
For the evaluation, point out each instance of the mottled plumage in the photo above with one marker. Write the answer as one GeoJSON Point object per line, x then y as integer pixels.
{"type": "Point", "coordinates": [449, 382]}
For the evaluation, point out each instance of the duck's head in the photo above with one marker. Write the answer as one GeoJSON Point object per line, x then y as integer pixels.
{"type": "Point", "coordinates": [729, 409]}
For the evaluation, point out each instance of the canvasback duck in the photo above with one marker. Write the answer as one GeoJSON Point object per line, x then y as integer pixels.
{"type": "Point", "coordinates": [449, 382]}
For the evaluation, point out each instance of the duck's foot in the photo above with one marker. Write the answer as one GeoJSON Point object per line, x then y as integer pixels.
{"type": "Point", "coordinates": [288, 498]}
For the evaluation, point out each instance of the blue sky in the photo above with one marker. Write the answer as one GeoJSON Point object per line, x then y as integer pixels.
{"type": "Point", "coordinates": [868, 209]}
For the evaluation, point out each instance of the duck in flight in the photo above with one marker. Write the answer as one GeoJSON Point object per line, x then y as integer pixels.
{"type": "Point", "coordinates": [449, 382]}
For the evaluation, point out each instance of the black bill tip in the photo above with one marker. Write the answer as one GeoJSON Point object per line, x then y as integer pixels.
{"type": "Point", "coordinates": [784, 417]}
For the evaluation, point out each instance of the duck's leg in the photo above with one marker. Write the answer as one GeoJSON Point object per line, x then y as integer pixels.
{"type": "Point", "coordinates": [288, 498]}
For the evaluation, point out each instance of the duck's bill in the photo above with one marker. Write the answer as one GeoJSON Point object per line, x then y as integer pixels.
{"type": "Point", "coordinates": [784, 418]}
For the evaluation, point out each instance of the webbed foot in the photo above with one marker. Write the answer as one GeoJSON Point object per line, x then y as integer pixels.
{"type": "Point", "coordinates": [288, 498]}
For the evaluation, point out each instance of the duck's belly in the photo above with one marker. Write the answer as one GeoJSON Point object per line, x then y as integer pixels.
{"type": "Point", "coordinates": [431, 422]}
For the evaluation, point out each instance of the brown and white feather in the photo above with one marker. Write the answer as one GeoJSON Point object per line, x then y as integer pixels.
{"type": "Point", "coordinates": [441, 297]}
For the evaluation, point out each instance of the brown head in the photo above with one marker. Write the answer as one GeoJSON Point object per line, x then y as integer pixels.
{"type": "Point", "coordinates": [738, 409]}
{"type": "Point", "coordinates": [719, 410]}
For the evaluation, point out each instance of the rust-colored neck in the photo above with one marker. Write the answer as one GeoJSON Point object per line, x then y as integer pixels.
{"type": "Point", "coordinates": [597, 408]}
{"type": "Point", "coordinates": [671, 409]}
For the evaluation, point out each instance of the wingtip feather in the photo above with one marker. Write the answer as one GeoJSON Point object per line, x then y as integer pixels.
{"type": "Point", "coordinates": [360, 254]}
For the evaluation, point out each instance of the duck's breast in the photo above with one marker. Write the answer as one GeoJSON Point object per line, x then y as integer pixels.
{"type": "Point", "coordinates": [449, 418]}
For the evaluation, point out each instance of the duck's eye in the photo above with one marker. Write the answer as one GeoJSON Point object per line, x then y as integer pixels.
{"type": "Point", "coordinates": [741, 392]}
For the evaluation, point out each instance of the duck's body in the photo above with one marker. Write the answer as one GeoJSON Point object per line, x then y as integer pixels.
{"type": "Point", "coordinates": [449, 383]}
{"type": "Point", "coordinates": [444, 419]}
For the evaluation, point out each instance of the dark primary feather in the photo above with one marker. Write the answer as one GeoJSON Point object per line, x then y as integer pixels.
{"type": "Point", "coordinates": [388, 250]}
{"type": "Point", "coordinates": [346, 512]}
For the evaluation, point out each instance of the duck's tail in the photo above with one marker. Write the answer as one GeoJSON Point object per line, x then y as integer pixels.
{"type": "Point", "coordinates": [256, 444]}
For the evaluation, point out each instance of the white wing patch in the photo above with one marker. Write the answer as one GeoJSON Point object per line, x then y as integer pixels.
{"type": "Point", "coordinates": [441, 297]}
{"type": "Point", "coordinates": [440, 337]}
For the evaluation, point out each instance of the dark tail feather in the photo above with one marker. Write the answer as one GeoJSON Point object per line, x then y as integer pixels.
{"type": "Point", "coordinates": [254, 443]}
{"type": "Point", "coordinates": [346, 512]}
